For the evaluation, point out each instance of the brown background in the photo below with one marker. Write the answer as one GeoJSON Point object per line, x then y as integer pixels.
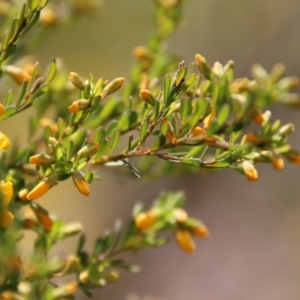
{"type": "Point", "coordinates": [254, 250]}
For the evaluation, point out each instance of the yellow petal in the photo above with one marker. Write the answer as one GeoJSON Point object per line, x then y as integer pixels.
{"type": "Point", "coordinates": [4, 141]}
{"type": "Point", "coordinates": [39, 190]}
{"type": "Point", "coordinates": [7, 192]}
{"type": "Point", "coordinates": [6, 218]}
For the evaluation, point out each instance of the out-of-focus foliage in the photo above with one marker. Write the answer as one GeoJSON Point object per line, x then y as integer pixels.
{"type": "Point", "coordinates": [173, 116]}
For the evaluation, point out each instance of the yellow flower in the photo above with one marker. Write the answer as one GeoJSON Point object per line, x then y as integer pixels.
{"type": "Point", "coordinates": [4, 141]}
{"type": "Point", "coordinates": [80, 183]}
{"type": "Point", "coordinates": [145, 220]}
{"type": "Point", "coordinates": [6, 217]}
{"type": "Point", "coordinates": [184, 240]}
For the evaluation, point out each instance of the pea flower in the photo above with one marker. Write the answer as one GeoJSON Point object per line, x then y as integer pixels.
{"type": "Point", "coordinates": [6, 217]}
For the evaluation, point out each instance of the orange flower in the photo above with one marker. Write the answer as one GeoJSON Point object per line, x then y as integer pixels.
{"type": "Point", "coordinates": [278, 163]}
{"type": "Point", "coordinates": [80, 183]}
{"type": "Point", "coordinates": [145, 220]}
{"type": "Point", "coordinates": [184, 240]}
{"type": "Point", "coordinates": [6, 217]}
{"type": "Point", "coordinates": [42, 187]}
{"type": "Point", "coordinates": [201, 230]}
{"type": "Point", "coordinates": [250, 170]}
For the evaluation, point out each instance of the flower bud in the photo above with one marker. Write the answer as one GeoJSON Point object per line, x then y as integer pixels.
{"type": "Point", "coordinates": [42, 187]}
{"type": "Point", "coordinates": [47, 17]}
{"type": "Point", "coordinates": [80, 183]}
{"type": "Point", "coordinates": [112, 277]}
{"type": "Point", "coordinates": [208, 120]}
{"type": "Point", "coordinates": [78, 105]}
{"type": "Point", "coordinates": [286, 129]}
{"type": "Point", "coordinates": [145, 220]}
{"type": "Point", "coordinates": [198, 131]}
{"type": "Point", "coordinates": [84, 276]}
{"type": "Point", "coordinates": [6, 218]}
{"type": "Point", "coordinates": [42, 159]}
{"type": "Point", "coordinates": [4, 141]}
{"type": "Point", "coordinates": [88, 150]}
{"type": "Point", "coordinates": [250, 170]}
{"type": "Point", "coordinates": [2, 109]}
{"type": "Point", "coordinates": [293, 157]}
{"type": "Point", "coordinates": [218, 70]}
{"type": "Point", "coordinates": [180, 215]}
{"type": "Point", "coordinates": [22, 194]}
{"type": "Point", "coordinates": [201, 230]}
{"type": "Point", "coordinates": [203, 66]}
{"type": "Point", "coordinates": [252, 138]}
{"type": "Point", "coordinates": [258, 118]}
{"type": "Point", "coordinates": [184, 240]}
{"type": "Point", "coordinates": [64, 291]}
{"type": "Point", "coordinates": [278, 163]}
{"type": "Point", "coordinates": [77, 80]}
{"type": "Point", "coordinates": [112, 87]}
{"type": "Point", "coordinates": [147, 97]}
{"type": "Point", "coordinates": [17, 74]}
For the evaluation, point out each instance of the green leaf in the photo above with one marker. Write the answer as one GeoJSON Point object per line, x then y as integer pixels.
{"type": "Point", "coordinates": [99, 135]}
{"type": "Point", "coordinates": [223, 114]}
{"type": "Point", "coordinates": [13, 30]}
{"type": "Point", "coordinates": [180, 76]}
{"type": "Point", "coordinates": [102, 244]}
{"type": "Point", "coordinates": [33, 4]}
{"type": "Point", "coordinates": [144, 127]}
{"type": "Point", "coordinates": [115, 140]}
{"type": "Point", "coordinates": [159, 142]}
{"type": "Point", "coordinates": [59, 152]}
{"type": "Point", "coordinates": [167, 87]}
{"type": "Point", "coordinates": [70, 150]}
{"type": "Point", "coordinates": [195, 151]}
{"type": "Point", "coordinates": [216, 165]}
{"type": "Point", "coordinates": [110, 128]}
{"type": "Point", "coordinates": [52, 71]}
{"type": "Point", "coordinates": [31, 23]}
{"type": "Point", "coordinates": [127, 120]}
{"type": "Point", "coordinates": [61, 125]}
{"type": "Point", "coordinates": [21, 94]}
{"type": "Point", "coordinates": [191, 79]}
{"type": "Point", "coordinates": [9, 111]}
{"type": "Point", "coordinates": [9, 98]}
{"type": "Point", "coordinates": [103, 150]}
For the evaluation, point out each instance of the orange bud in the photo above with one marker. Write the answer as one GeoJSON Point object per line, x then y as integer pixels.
{"type": "Point", "coordinates": [78, 105]}
{"type": "Point", "coordinates": [250, 170]}
{"type": "Point", "coordinates": [259, 118]}
{"type": "Point", "coordinates": [43, 217]}
{"type": "Point", "coordinates": [147, 97]}
{"type": "Point", "coordinates": [252, 138]}
{"type": "Point", "coordinates": [199, 131]}
{"type": "Point", "coordinates": [277, 162]}
{"type": "Point", "coordinates": [88, 150]}
{"type": "Point", "coordinates": [112, 87]}
{"type": "Point", "coordinates": [207, 121]}
{"type": "Point", "coordinates": [17, 74]}
{"type": "Point", "coordinates": [80, 183]}
{"type": "Point", "coordinates": [47, 17]}
{"type": "Point", "coordinates": [42, 159]}
{"type": "Point", "coordinates": [42, 187]}
{"type": "Point", "coordinates": [203, 66]}
{"type": "Point", "coordinates": [201, 230]}
{"type": "Point", "coordinates": [2, 109]}
{"type": "Point", "coordinates": [145, 220]}
{"type": "Point", "coordinates": [171, 137]}
{"type": "Point", "coordinates": [77, 80]}
{"type": "Point", "coordinates": [185, 241]}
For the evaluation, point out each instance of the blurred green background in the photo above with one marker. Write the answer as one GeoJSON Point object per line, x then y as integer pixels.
{"type": "Point", "coordinates": [254, 250]}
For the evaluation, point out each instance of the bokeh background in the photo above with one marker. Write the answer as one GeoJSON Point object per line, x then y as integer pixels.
{"type": "Point", "coordinates": [254, 249]}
